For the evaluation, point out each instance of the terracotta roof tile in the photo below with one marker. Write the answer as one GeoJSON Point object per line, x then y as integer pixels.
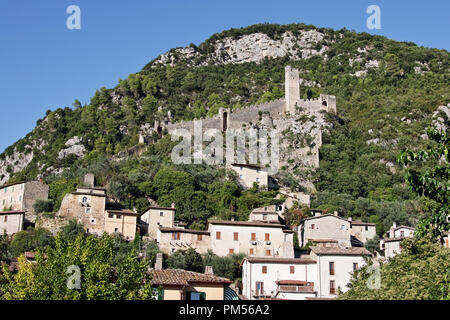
{"type": "Point", "coordinates": [352, 251]}
{"type": "Point", "coordinates": [182, 277]}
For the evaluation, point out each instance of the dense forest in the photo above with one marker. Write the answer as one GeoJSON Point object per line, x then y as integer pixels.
{"type": "Point", "coordinates": [380, 111]}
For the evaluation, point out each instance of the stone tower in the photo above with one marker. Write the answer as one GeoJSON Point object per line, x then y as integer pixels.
{"type": "Point", "coordinates": [292, 89]}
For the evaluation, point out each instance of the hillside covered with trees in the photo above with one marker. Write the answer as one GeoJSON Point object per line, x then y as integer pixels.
{"type": "Point", "coordinates": [387, 95]}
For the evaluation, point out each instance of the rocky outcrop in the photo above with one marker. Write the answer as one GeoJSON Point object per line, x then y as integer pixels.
{"type": "Point", "coordinates": [74, 146]}
{"type": "Point", "coordinates": [253, 47]}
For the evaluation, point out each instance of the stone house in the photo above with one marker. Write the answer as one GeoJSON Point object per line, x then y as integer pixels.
{"type": "Point", "coordinates": [122, 222]}
{"type": "Point", "coordinates": [154, 217]}
{"type": "Point", "coordinates": [325, 226]}
{"type": "Point", "coordinates": [293, 199]}
{"type": "Point", "coordinates": [11, 222]}
{"type": "Point", "coordinates": [362, 231]}
{"type": "Point", "coordinates": [391, 245]}
{"type": "Point", "coordinates": [268, 213]}
{"type": "Point", "coordinates": [172, 239]}
{"type": "Point", "coordinates": [86, 206]}
{"type": "Point", "coordinates": [335, 267]}
{"type": "Point", "coordinates": [21, 196]}
{"type": "Point", "coordinates": [176, 284]}
{"type": "Point", "coordinates": [249, 174]}
{"type": "Point", "coordinates": [280, 278]}
{"type": "Point", "coordinates": [252, 238]}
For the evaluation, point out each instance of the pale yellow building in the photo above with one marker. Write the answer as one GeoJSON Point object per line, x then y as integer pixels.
{"type": "Point", "coordinates": [155, 217]}
{"type": "Point", "coordinates": [21, 196]}
{"type": "Point", "coordinates": [252, 238]}
{"type": "Point", "coordinates": [122, 222]}
{"type": "Point", "coordinates": [249, 174]}
{"type": "Point", "coordinates": [177, 284]}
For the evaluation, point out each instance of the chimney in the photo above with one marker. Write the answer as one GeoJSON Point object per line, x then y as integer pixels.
{"type": "Point", "coordinates": [394, 225]}
{"type": "Point", "coordinates": [89, 180]}
{"type": "Point", "coordinates": [335, 213]}
{"type": "Point", "coordinates": [173, 205]}
{"type": "Point", "coordinates": [209, 270]}
{"type": "Point", "coordinates": [350, 219]}
{"type": "Point", "coordinates": [158, 263]}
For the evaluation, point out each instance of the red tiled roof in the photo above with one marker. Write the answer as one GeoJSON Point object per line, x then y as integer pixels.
{"type": "Point", "coordinates": [180, 277]}
{"type": "Point", "coordinates": [280, 260]}
{"type": "Point", "coordinates": [360, 223]}
{"type": "Point", "coordinates": [352, 251]}
{"type": "Point", "coordinates": [168, 229]}
{"type": "Point", "coordinates": [295, 282]}
{"type": "Point", "coordinates": [124, 212]}
{"type": "Point", "coordinates": [12, 212]}
{"type": "Point", "coordinates": [323, 240]}
{"type": "Point", "coordinates": [247, 223]}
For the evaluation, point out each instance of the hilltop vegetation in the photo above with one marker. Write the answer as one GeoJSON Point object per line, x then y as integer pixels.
{"type": "Point", "coordinates": [386, 94]}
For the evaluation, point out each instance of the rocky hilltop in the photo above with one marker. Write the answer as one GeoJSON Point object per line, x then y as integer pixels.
{"type": "Point", "coordinates": [387, 93]}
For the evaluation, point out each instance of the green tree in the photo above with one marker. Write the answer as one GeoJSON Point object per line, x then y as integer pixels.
{"type": "Point", "coordinates": [433, 183]}
{"type": "Point", "coordinates": [420, 272]}
{"type": "Point", "coordinates": [100, 278]}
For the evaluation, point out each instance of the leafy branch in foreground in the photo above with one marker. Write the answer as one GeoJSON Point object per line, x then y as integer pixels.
{"type": "Point", "coordinates": [433, 183]}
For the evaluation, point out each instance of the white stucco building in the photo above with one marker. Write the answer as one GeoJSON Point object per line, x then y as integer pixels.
{"type": "Point", "coordinates": [317, 275]}
{"type": "Point", "coordinates": [268, 278]}
{"type": "Point", "coordinates": [391, 245]}
{"type": "Point", "coordinates": [335, 266]}
{"type": "Point", "coordinates": [11, 222]}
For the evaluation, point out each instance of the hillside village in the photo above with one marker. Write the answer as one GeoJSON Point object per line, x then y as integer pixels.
{"type": "Point", "coordinates": [314, 264]}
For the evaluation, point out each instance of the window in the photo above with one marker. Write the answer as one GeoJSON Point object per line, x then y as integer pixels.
{"type": "Point", "coordinates": [199, 237]}
{"type": "Point", "coordinates": [257, 179]}
{"type": "Point", "coordinates": [331, 265]}
{"type": "Point", "coordinates": [267, 252]}
{"type": "Point", "coordinates": [161, 214]}
{"type": "Point", "coordinates": [84, 200]}
{"type": "Point", "coordinates": [116, 229]}
{"type": "Point", "coordinates": [264, 269]}
{"type": "Point", "coordinates": [231, 251]}
{"type": "Point", "coordinates": [20, 198]}
{"type": "Point", "coordinates": [236, 236]}
{"type": "Point", "coordinates": [6, 219]}
{"type": "Point", "coordinates": [366, 227]}
{"type": "Point", "coordinates": [111, 215]}
{"type": "Point", "coordinates": [402, 234]}
{"type": "Point", "coordinates": [267, 237]}
{"type": "Point", "coordinates": [88, 210]}
{"type": "Point", "coordinates": [343, 227]}
{"type": "Point", "coordinates": [218, 235]}
{"type": "Point", "coordinates": [292, 269]}
{"type": "Point", "coordinates": [253, 237]}
{"type": "Point", "coordinates": [355, 266]}
{"type": "Point", "coordinates": [332, 287]}
{"type": "Point", "coordinates": [259, 288]}
{"type": "Point", "coordinates": [313, 226]}
{"type": "Point", "coordinates": [175, 236]}
{"type": "Point", "coordinates": [119, 216]}
{"type": "Point", "coordinates": [252, 251]}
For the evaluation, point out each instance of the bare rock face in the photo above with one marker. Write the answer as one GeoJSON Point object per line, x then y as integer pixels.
{"type": "Point", "coordinates": [74, 146]}
{"type": "Point", "coordinates": [438, 117]}
{"type": "Point", "coordinates": [14, 163]}
{"type": "Point", "coordinates": [253, 47]}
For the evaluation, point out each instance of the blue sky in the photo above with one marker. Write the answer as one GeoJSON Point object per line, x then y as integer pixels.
{"type": "Point", "coordinates": [44, 65]}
